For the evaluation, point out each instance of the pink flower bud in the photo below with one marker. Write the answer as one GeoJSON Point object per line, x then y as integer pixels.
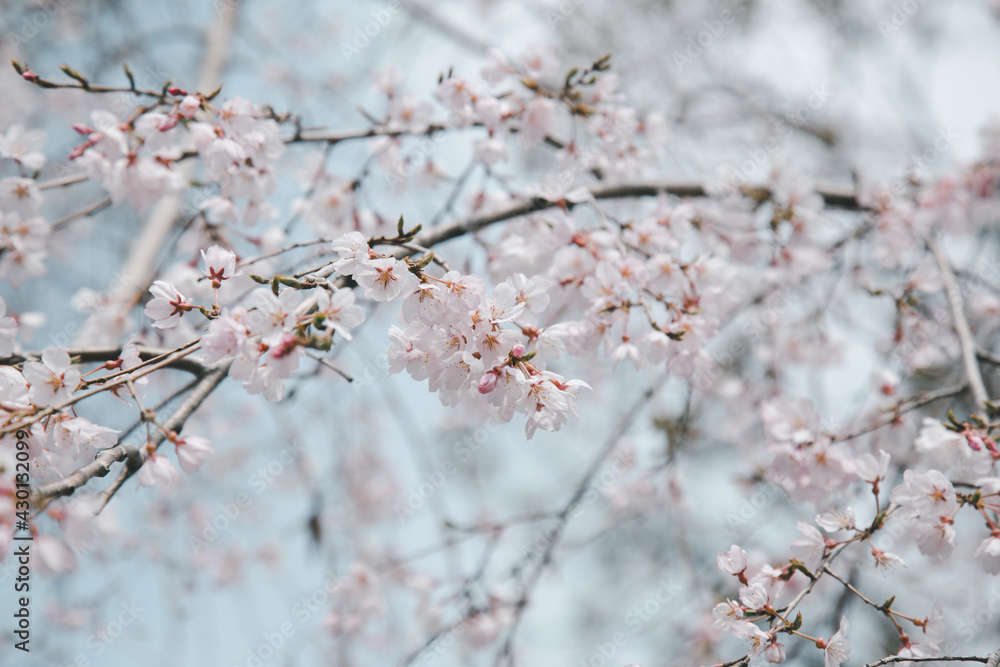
{"type": "Point", "coordinates": [169, 123]}
{"type": "Point", "coordinates": [174, 90]}
{"type": "Point", "coordinates": [488, 382]}
{"type": "Point", "coordinates": [83, 129]}
{"type": "Point", "coordinates": [28, 75]}
{"type": "Point", "coordinates": [518, 350]}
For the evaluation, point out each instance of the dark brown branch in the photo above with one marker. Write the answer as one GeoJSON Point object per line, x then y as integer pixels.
{"type": "Point", "coordinates": [947, 658]}
{"type": "Point", "coordinates": [130, 453]}
{"type": "Point", "coordinates": [834, 197]}
{"type": "Point", "coordinates": [88, 355]}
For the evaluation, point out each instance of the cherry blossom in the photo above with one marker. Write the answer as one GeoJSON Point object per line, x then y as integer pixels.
{"type": "Point", "coordinates": [54, 556]}
{"type": "Point", "coordinates": [733, 561]}
{"type": "Point", "coordinates": [81, 439]}
{"type": "Point", "coordinates": [157, 470]}
{"type": "Point", "coordinates": [339, 312]}
{"type": "Point", "coordinates": [925, 494]}
{"type": "Point", "coordinates": [809, 548]}
{"type": "Point", "coordinates": [191, 452]}
{"type": "Point", "coordinates": [23, 146]}
{"type": "Point", "coordinates": [220, 264]}
{"type": "Point", "coordinates": [53, 379]}
{"type": "Point", "coordinates": [726, 613]}
{"type": "Point", "coordinates": [835, 520]}
{"type": "Point", "coordinates": [873, 470]}
{"type": "Point", "coordinates": [385, 279]}
{"type": "Point", "coordinates": [838, 647]}
{"type": "Point", "coordinates": [750, 633]}
{"type": "Point", "coordinates": [775, 653]}
{"type": "Point", "coordinates": [167, 305]}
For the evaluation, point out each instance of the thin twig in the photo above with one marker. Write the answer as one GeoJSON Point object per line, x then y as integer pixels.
{"type": "Point", "coordinates": [903, 406]}
{"type": "Point", "coordinates": [174, 423]}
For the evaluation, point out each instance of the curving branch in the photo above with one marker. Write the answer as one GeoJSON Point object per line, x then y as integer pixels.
{"type": "Point", "coordinates": [834, 196]}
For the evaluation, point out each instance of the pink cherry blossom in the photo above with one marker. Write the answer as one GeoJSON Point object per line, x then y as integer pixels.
{"type": "Point", "coordinates": [340, 312]}
{"type": "Point", "coordinates": [167, 305]}
{"type": "Point", "coordinates": [189, 106]}
{"type": "Point", "coordinates": [726, 613]}
{"type": "Point", "coordinates": [192, 452]}
{"type": "Point", "coordinates": [733, 561]}
{"type": "Point", "coordinates": [749, 632]}
{"type": "Point", "coordinates": [220, 264]}
{"type": "Point", "coordinates": [809, 548]}
{"type": "Point", "coordinates": [385, 279]}
{"type": "Point", "coordinates": [836, 520]}
{"type": "Point", "coordinates": [775, 653]}
{"type": "Point", "coordinates": [157, 470]}
{"type": "Point", "coordinates": [838, 648]}
{"type": "Point", "coordinates": [53, 379]}
{"type": "Point", "coordinates": [23, 146]}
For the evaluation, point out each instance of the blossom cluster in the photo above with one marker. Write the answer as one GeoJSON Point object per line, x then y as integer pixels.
{"type": "Point", "coordinates": [466, 344]}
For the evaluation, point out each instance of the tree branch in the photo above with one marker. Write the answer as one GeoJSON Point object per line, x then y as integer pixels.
{"type": "Point", "coordinates": [961, 325]}
{"type": "Point", "coordinates": [946, 658]}
{"type": "Point", "coordinates": [127, 376]}
{"type": "Point", "coordinates": [88, 355]}
{"type": "Point", "coordinates": [130, 453]}
{"type": "Point", "coordinates": [833, 195]}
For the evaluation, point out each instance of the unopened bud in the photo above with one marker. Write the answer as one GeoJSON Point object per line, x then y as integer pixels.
{"type": "Point", "coordinates": [518, 350]}
{"type": "Point", "coordinates": [168, 123]}
{"type": "Point", "coordinates": [28, 75]}
{"type": "Point", "coordinates": [83, 129]}
{"type": "Point", "coordinates": [174, 90]}
{"type": "Point", "coordinates": [488, 382]}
